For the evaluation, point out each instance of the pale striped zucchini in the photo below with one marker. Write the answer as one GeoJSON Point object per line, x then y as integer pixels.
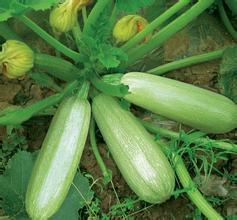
{"type": "Point", "coordinates": [140, 160]}
{"type": "Point", "coordinates": [58, 159]}
{"type": "Point", "coordinates": [182, 102]}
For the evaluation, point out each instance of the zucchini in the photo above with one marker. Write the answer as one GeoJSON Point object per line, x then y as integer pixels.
{"type": "Point", "coordinates": [58, 158]}
{"type": "Point", "coordinates": [140, 160]}
{"type": "Point", "coordinates": [182, 102]}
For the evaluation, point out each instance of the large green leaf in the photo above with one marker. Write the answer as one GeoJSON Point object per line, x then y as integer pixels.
{"type": "Point", "coordinates": [108, 55]}
{"type": "Point", "coordinates": [9, 8]}
{"type": "Point", "coordinates": [14, 185]}
{"type": "Point", "coordinates": [78, 196]}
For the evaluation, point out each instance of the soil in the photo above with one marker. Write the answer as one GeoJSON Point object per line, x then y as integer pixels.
{"type": "Point", "coordinates": [194, 39]}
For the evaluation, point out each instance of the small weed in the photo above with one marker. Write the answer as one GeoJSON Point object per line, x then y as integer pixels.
{"type": "Point", "coordinates": [11, 143]}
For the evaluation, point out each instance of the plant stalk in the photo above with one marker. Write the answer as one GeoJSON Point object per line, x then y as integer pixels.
{"type": "Point", "coordinates": [18, 116]}
{"type": "Point", "coordinates": [56, 67]}
{"type": "Point", "coordinates": [187, 183]}
{"type": "Point", "coordinates": [155, 24]}
{"type": "Point", "coordinates": [226, 20]}
{"type": "Point", "coordinates": [84, 90]}
{"type": "Point", "coordinates": [84, 14]}
{"type": "Point", "coordinates": [77, 34]}
{"type": "Point", "coordinates": [50, 39]}
{"type": "Point", "coordinates": [189, 61]}
{"type": "Point", "coordinates": [113, 18]}
{"type": "Point", "coordinates": [105, 171]}
{"type": "Point", "coordinates": [94, 15]}
{"type": "Point", "coordinates": [107, 88]}
{"type": "Point", "coordinates": [203, 140]}
{"type": "Point", "coordinates": [168, 31]}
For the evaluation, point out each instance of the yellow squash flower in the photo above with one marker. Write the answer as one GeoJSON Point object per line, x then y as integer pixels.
{"type": "Point", "coordinates": [128, 26]}
{"type": "Point", "coordinates": [63, 18]}
{"type": "Point", "coordinates": [16, 58]}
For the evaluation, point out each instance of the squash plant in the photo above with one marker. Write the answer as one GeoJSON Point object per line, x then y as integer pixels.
{"type": "Point", "coordinates": [105, 44]}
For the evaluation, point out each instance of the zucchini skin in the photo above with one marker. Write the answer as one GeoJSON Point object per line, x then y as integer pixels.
{"type": "Point", "coordinates": [140, 160]}
{"type": "Point", "coordinates": [181, 102]}
{"type": "Point", "coordinates": [58, 158]}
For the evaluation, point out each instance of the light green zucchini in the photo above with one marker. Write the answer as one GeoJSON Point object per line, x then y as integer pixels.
{"type": "Point", "coordinates": [182, 102]}
{"type": "Point", "coordinates": [58, 158]}
{"type": "Point", "coordinates": [141, 162]}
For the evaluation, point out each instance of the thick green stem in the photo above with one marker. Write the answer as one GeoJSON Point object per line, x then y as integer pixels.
{"type": "Point", "coordinates": [114, 79]}
{"type": "Point", "coordinates": [94, 15]}
{"type": "Point", "coordinates": [7, 33]}
{"type": "Point", "coordinates": [18, 116]}
{"type": "Point", "coordinates": [167, 32]}
{"type": "Point", "coordinates": [107, 88]}
{"type": "Point", "coordinates": [113, 18]}
{"type": "Point", "coordinates": [77, 34]}
{"type": "Point", "coordinates": [187, 183]}
{"type": "Point", "coordinates": [84, 14]}
{"type": "Point", "coordinates": [56, 67]}
{"type": "Point", "coordinates": [50, 39]}
{"type": "Point", "coordinates": [217, 54]}
{"type": "Point", "coordinates": [226, 20]}
{"type": "Point", "coordinates": [204, 140]}
{"type": "Point", "coordinates": [106, 173]}
{"type": "Point", "coordinates": [193, 193]}
{"type": "Point", "coordinates": [155, 24]}
{"type": "Point", "coordinates": [84, 90]}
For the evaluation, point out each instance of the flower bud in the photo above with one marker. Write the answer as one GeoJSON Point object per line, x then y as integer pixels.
{"type": "Point", "coordinates": [63, 18]}
{"type": "Point", "coordinates": [16, 58]}
{"type": "Point", "coordinates": [128, 26]}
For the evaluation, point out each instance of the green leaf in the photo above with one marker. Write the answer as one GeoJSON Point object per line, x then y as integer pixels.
{"type": "Point", "coordinates": [232, 4]}
{"type": "Point", "coordinates": [110, 56]}
{"type": "Point", "coordinates": [14, 186]}
{"type": "Point", "coordinates": [9, 8]}
{"type": "Point", "coordinates": [79, 195]}
{"type": "Point", "coordinates": [101, 29]}
{"type": "Point", "coordinates": [106, 54]}
{"type": "Point", "coordinates": [133, 5]}
{"type": "Point", "coordinates": [11, 143]}
{"type": "Point", "coordinates": [125, 104]}
{"type": "Point", "coordinates": [114, 90]}
{"type": "Point", "coordinates": [14, 182]}
{"type": "Point", "coordinates": [228, 73]}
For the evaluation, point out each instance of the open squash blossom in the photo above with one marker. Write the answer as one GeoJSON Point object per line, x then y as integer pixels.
{"type": "Point", "coordinates": [16, 58]}
{"type": "Point", "coordinates": [128, 26]}
{"type": "Point", "coordinates": [63, 18]}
